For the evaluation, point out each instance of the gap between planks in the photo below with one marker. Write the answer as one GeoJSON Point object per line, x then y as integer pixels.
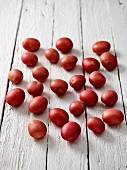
{"type": "Point", "coordinates": [81, 30]}
{"type": "Point", "coordinates": [52, 44]}
{"type": "Point", "coordinates": [53, 22]}
{"type": "Point", "coordinates": [115, 52]}
{"type": "Point", "coordinates": [7, 86]}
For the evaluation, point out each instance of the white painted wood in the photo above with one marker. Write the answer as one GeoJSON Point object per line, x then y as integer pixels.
{"type": "Point", "coordinates": [8, 28]}
{"type": "Point", "coordinates": [119, 26]}
{"type": "Point", "coordinates": [106, 151]}
{"type": "Point", "coordinates": [124, 14]}
{"type": "Point", "coordinates": [18, 150]}
{"type": "Point", "coordinates": [123, 1]}
{"type": "Point", "coordinates": [61, 154]}
{"type": "Point", "coordinates": [100, 20]}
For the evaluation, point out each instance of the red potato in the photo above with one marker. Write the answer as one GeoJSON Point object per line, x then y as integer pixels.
{"type": "Point", "coordinates": [71, 131]}
{"type": "Point", "coordinates": [37, 129]}
{"type": "Point", "coordinates": [64, 45]}
{"type": "Point", "coordinates": [77, 108]}
{"type": "Point", "coordinates": [38, 105]}
{"type": "Point", "coordinates": [89, 97]}
{"type": "Point", "coordinates": [68, 62]}
{"type": "Point", "coordinates": [15, 97]}
{"type": "Point", "coordinates": [15, 76]}
{"type": "Point", "coordinates": [29, 59]}
{"type": "Point", "coordinates": [77, 82]}
{"type": "Point", "coordinates": [108, 61]}
{"type": "Point", "coordinates": [109, 97]}
{"type": "Point", "coordinates": [96, 125]}
{"type": "Point", "coordinates": [52, 55]}
{"type": "Point", "coordinates": [97, 79]}
{"type": "Point", "coordinates": [58, 116]}
{"type": "Point", "coordinates": [40, 73]}
{"type": "Point", "coordinates": [113, 117]}
{"type": "Point", "coordinates": [100, 47]}
{"type": "Point", "coordinates": [35, 88]}
{"type": "Point", "coordinates": [90, 65]}
{"type": "Point", "coordinates": [59, 86]}
{"type": "Point", "coordinates": [31, 44]}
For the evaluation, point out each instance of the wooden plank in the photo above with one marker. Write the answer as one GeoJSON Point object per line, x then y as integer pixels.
{"type": "Point", "coordinates": [106, 151]}
{"type": "Point", "coordinates": [61, 154]}
{"type": "Point", "coordinates": [124, 13]}
{"type": "Point", "coordinates": [8, 30]}
{"type": "Point", "coordinates": [123, 1]}
{"type": "Point", "coordinates": [18, 149]}
{"type": "Point", "coordinates": [119, 28]}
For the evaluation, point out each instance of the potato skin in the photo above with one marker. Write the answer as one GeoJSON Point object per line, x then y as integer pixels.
{"type": "Point", "coordinates": [68, 62]}
{"type": "Point", "coordinates": [96, 125]}
{"type": "Point", "coordinates": [97, 79]}
{"type": "Point", "coordinates": [38, 105]}
{"type": "Point", "coordinates": [52, 55]}
{"type": "Point", "coordinates": [29, 59]}
{"type": "Point", "coordinates": [108, 61]}
{"type": "Point", "coordinates": [15, 97]}
{"type": "Point", "coordinates": [89, 97]}
{"type": "Point", "coordinates": [100, 47]}
{"type": "Point", "coordinates": [113, 117]}
{"type": "Point", "coordinates": [109, 97]}
{"type": "Point", "coordinates": [15, 76]}
{"type": "Point", "coordinates": [64, 45]}
{"type": "Point", "coordinates": [90, 64]}
{"type": "Point", "coordinates": [59, 86]}
{"type": "Point", "coordinates": [71, 131]}
{"type": "Point", "coordinates": [31, 44]}
{"type": "Point", "coordinates": [37, 129]}
{"type": "Point", "coordinates": [58, 116]}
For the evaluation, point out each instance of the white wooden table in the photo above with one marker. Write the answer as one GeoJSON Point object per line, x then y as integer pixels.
{"type": "Point", "coordinates": [85, 22]}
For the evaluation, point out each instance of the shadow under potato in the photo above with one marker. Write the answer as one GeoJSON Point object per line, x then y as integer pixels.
{"type": "Point", "coordinates": [40, 52]}
{"type": "Point", "coordinates": [76, 52]}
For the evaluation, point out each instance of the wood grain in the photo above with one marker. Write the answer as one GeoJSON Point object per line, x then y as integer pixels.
{"type": "Point", "coordinates": [18, 149]}
{"type": "Point", "coordinates": [124, 14]}
{"type": "Point", "coordinates": [122, 2]}
{"type": "Point", "coordinates": [61, 154]}
{"type": "Point", "coordinates": [119, 27]}
{"type": "Point", "coordinates": [8, 31]}
{"type": "Point", "coordinates": [106, 150]}
{"type": "Point", "coordinates": [85, 22]}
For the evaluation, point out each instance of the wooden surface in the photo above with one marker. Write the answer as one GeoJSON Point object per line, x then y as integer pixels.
{"type": "Point", "coordinates": [85, 22]}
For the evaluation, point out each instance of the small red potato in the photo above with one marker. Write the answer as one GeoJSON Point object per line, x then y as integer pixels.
{"type": "Point", "coordinates": [15, 97]}
{"type": "Point", "coordinates": [35, 88]}
{"type": "Point", "coordinates": [76, 108]}
{"type": "Point", "coordinates": [71, 131]}
{"type": "Point", "coordinates": [109, 97]}
{"type": "Point", "coordinates": [97, 79]}
{"type": "Point", "coordinates": [100, 47]}
{"type": "Point", "coordinates": [37, 129]}
{"type": "Point", "coordinates": [58, 116]}
{"type": "Point", "coordinates": [29, 59]}
{"type": "Point", "coordinates": [90, 65]}
{"type": "Point", "coordinates": [59, 86]}
{"type": "Point", "coordinates": [68, 62]}
{"type": "Point", "coordinates": [77, 82]}
{"type": "Point", "coordinates": [31, 44]}
{"type": "Point", "coordinates": [52, 55]}
{"type": "Point", "coordinates": [89, 97]}
{"type": "Point", "coordinates": [64, 45]}
{"type": "Point", "coordinates": [108, 61]}
{"type": "Point", "coordinates": [96, 125]}
{"type": "Point", "coordinates": [15, 76]}
{"type": "Point", "coordinates": [113, 117]}
{"type": "Point", "coordinates": [38, 105]}
{"type": "Point", "coordinates": [40, 73]}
